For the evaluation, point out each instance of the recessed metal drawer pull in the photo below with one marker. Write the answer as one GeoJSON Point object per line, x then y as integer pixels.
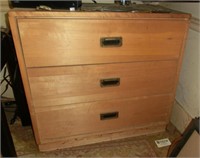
{"type": "Point", "coordinates": [110, 115]}
{"type": "Point", "coordinates": [110, 82]}
{"type": "Point", "coordinates": [111, 41]}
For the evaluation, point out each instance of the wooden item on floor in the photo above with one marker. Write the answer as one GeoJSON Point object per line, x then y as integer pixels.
{"type": "Point", "coordinates": [187, 145]}
{"type": "Point", "coordinates": [98, 76]}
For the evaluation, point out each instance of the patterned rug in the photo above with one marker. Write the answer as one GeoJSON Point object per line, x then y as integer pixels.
{"type": "Point", "coordinates": [123, 148]}
{"type": "Point", "coordinates": [132, 147]}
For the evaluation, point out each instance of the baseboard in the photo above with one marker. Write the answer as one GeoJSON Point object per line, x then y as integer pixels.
{"type": "Point", "coordinates": [179, 117]}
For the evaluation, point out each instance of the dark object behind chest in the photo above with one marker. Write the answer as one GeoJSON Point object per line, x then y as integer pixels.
{"type": "Point", "coordinates": [57, 4]}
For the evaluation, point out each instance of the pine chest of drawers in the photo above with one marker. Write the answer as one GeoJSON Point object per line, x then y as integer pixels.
{"type": "Point", "coordinates": [98, 76]}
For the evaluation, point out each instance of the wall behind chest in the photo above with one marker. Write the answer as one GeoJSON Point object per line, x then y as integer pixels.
{"type": "Point", "coordinates": [4, 7]}
{"type": "Point", "coordinates": [188, 89]}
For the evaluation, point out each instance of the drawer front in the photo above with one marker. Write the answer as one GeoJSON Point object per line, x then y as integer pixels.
{"type": "Point", "coordinates": [76, 84]}
{"type": "Point", "coordinates": [57, 42]}
{"type": "Point", "coordinates": [107, 116]}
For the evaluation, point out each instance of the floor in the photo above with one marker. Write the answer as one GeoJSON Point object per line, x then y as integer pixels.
{"type": "Point", "coordinates": [141, 146]}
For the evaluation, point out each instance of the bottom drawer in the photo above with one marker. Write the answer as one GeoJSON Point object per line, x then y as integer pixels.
{"type": "Point", "coordinates": [63, 121]}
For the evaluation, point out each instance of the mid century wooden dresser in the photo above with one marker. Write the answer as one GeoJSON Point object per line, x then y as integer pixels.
{"type": "Point", "coordinates": [93, 76]}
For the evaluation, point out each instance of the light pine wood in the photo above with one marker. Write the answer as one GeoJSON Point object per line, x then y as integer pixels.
{"type": "Point", "coordinates": [56, 124]}
{"type": "Point", "coordinates": [93, 138]}
{"type": "Point", "coordinates": [106, 136]}
{"type": "Point", "coordinates": [23, 72]}
{"type": "Point", "coordinates": [76, 84]}
{"type": "Point", "coordinates": [73, 41]}
{"type": "Point", "coordinates": [62, 63]}
{"type": "Point", "coordinates": [97, 15]}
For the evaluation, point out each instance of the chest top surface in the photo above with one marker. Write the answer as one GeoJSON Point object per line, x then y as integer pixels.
{"type": "Point", "coordinates": [133, 11]}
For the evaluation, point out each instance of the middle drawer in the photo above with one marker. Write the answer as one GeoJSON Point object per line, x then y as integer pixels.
{"type": "Point", "coordinates": [77, 84]}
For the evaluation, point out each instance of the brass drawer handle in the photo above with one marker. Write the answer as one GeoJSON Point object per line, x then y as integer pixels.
{"type": "Point", "coordinates": [110, 115]}
{"type": "Point", "coordinates": [111, 41]}
{"type": "Point", "coordinates": [110, 82]}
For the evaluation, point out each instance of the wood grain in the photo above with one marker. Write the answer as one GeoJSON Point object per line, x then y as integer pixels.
{"type": "Point", "coordinates": [76, 41]}
{"type": "Point", "coordinates": [92, 138]}
{"type": "Point", "coordinates": [23, 72]}
{"type": "Point", "coordinates": [65, 121]}
{"type": "Point", "coordinates": [97, 15]}
{"type": "Point", "coordinates": [62, 62]}
{"type": "Point", "coordinates": [76, 84]}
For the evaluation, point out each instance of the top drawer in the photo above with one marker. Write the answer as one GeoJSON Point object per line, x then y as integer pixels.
{"type": "Point", "coordinates": [56, 42]}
